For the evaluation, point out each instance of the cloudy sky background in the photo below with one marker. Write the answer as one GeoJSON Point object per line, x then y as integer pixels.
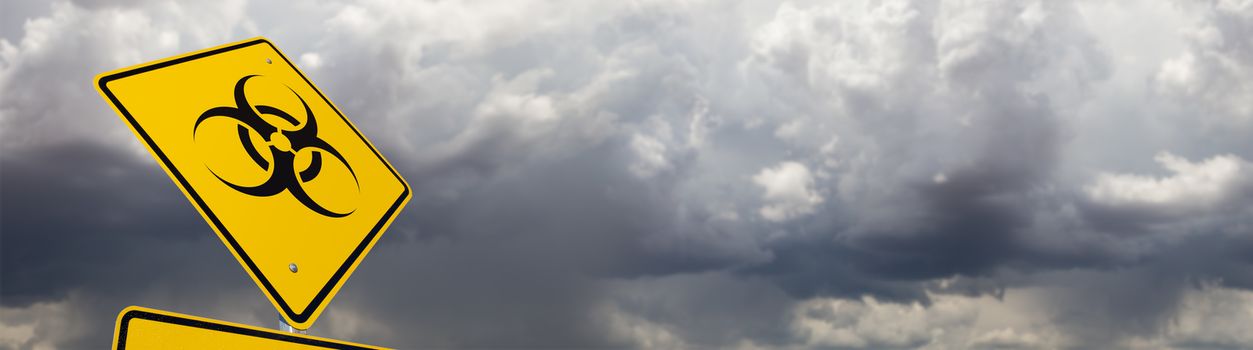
{"type": "Point", "coordinates": [850, 174]}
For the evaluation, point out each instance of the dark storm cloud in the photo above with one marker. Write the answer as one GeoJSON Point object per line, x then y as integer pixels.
{"type": "Point", "coordinates": [1144, 298]}
{"type": "Point", "coordinates": [529, 250]}
{"type": "Point", "coordinates": [697, 306]}
{"type": "Point", "coordinates": [71, 213]}
{"type": "Point", "coordinates": [943, 214]}
{"type": "Point", "coordinates": [658, 175]}
{"type": "Point", "coordinates": [100, 227]}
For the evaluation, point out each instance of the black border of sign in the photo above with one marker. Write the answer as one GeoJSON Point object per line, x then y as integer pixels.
{"type": "Point", "coordinates": [356, 253]}
{"type": "Point", "coordinates": [124, 325]}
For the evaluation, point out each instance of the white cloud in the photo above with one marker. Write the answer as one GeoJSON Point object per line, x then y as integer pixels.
{"type": "Point", "coordinates": [789, 130]}
{"type": "Point", "coordinates": [1024, 318]}
{"type": "Point", "coordinates": [1211, 317]}
{"type": "Point", "coordinates": [1008, 338]}
{"type": "Point", "coordinates": [870, 324]}
{"type": "Point", "coordinates": [828, 152]}
{"type": "Point", "coordinates": [47, 77]}
{"type": "Point", "coordinates": [14, 336]}
{"type": "Point", "coordinates": [1036, 317]}
{"type": "Point", "coordinates": [789, 190]}
{"type": "Point", "coordinates": [651, 156]}
{"type": "Point", "coordinates": [1210, 77]}
{"type": "Point", "coordinates": [348, 323]}
{"type": "Point", "coordinates": [1190, 183]}
{"type": "Point", "coordinates": [514, 123]}
{"type": "Point", "coordinates": [637, 331]}
{"type": "Point", "coordinates": [701, 123]}
{"type": "Point", "coordinates": [310, 60]}
{"type": "Point", "coordinates": [43, 325]}
{"type": "Point", "coordinates": [950, 322]}
{"type": "Point", "coordinates": [870, 53]}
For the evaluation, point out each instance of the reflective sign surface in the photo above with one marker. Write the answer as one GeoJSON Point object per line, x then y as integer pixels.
{"type": "Point", "coordinates": [291, 187]}
{"type": "Point", "coordinates": [141, 328]}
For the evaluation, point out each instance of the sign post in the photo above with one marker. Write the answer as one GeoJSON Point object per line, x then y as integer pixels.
{"type": "Point", "coordinates": [284, 326]}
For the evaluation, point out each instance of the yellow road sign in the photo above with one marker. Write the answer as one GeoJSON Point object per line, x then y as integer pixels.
{"type": "Point", "coordinates": [140, 328]}
{"type": "Point", "coordinates": [288, 183]}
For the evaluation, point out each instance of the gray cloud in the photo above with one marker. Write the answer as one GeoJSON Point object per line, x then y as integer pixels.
{"type": "Point", "coordinates": [903, 174]}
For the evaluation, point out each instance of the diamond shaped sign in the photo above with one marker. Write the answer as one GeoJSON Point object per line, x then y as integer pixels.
{"type": "Point", "coordinates": [292, 188]}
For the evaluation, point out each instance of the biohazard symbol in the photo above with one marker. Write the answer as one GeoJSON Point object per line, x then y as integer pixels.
{"type": "Point", "coordinates": [284, 142]}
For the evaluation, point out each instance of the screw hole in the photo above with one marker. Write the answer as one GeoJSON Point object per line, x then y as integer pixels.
{"type": "Point", "coordinates": [267, 61]}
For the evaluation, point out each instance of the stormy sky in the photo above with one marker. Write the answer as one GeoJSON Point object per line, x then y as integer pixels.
{"type": "Point", "coordinates": [671, 174]}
